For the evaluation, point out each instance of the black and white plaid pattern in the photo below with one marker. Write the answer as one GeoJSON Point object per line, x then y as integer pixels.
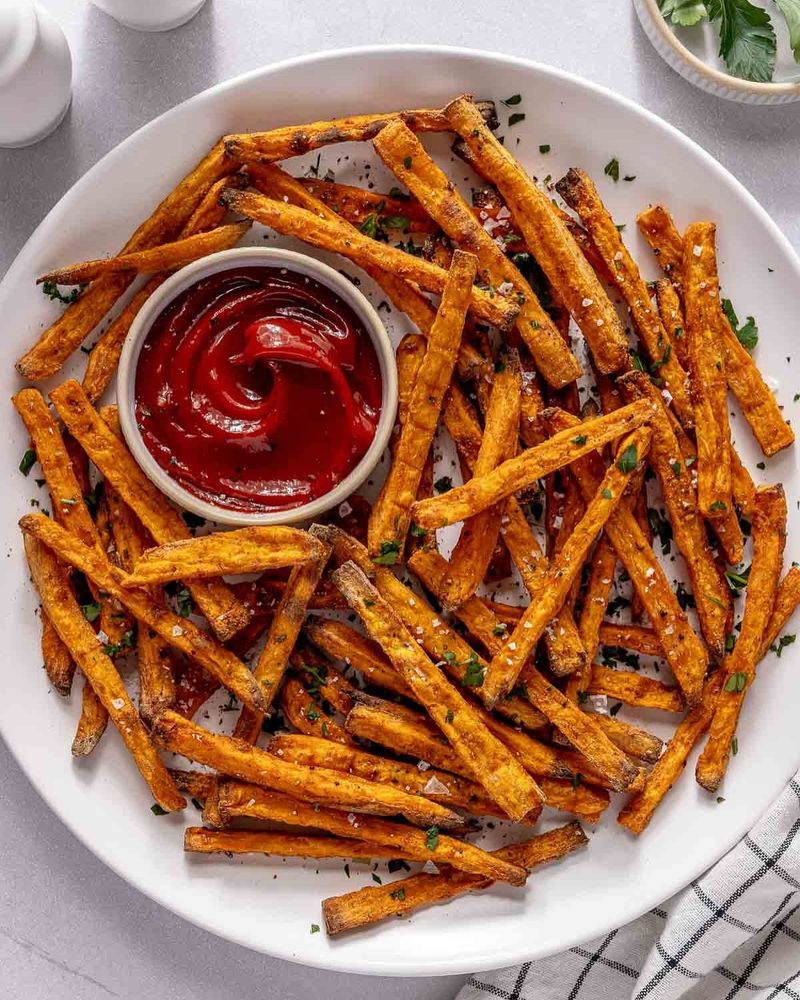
{"type": "Point", "coordinates": [735, 932]}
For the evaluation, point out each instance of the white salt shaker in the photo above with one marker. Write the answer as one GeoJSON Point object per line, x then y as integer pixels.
{"type": "Point", "coordinates": [151, 15]}
{"type": "Point", "coordinates": [35, 73]}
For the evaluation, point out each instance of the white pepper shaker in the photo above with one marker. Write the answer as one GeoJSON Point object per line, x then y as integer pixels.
{"type": "Point", "coordinates": [151, 15]}
{"type": "Point", "coordinates": [35, 73]}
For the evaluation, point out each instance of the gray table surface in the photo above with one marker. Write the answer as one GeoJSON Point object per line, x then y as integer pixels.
{"type": "Point", "coordinates": [69, 928]}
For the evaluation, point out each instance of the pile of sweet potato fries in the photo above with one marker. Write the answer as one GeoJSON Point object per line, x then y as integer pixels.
{"type": "Point", "coordinates": [410, 715]}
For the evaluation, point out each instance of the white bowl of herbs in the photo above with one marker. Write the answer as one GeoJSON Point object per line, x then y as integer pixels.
{"type": "Point", "coordinates": [742, 50]}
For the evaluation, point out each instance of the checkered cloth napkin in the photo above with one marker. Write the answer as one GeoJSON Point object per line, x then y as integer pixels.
{"type": "Point", "coordinates": [735, 932]}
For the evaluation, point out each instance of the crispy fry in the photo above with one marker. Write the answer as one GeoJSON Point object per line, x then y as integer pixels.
{"type": "Point", "coordinates": [523, 470]}
{"type": "Point", "coordinates": [224, 613]}
{"type": "Point", "coordinates": [92, 722]}
{"type": "Point", "coordinates": [595, 604]}
{"type": "Point", "coordinates": [656, 225]}
{"type": "Point", "coordinates": [670, 310]}
{"type": "Point", "coordinates": [294, 140]}
{"type": "Point", "coordinates": [199, 840]}
{"type": "Point", "coordinates": [472, 554]}
{"type": "Point", "coordinates": [786, 600]}
{"type": "Point", "coordinates": [58, 662]}
{"type": "Point", "coordinates": [114, 621]}
{"type": "Point", "coordinates": [769, 538]}
{"type": "Point", "coordinates": [180, 633]}
{"type": "Point", "coordinates": [339, 237]}
{"type": "Point", "coordinates": [441, 786]}
{"type": "Point", "coordinates": [633, 688]}
{"type": "Point", "coordinates": [630, 739]}
{"type": "Point", "coordinates": [359, 206]}
{"type": "Point", "coordinates": [55, 344]}
{"type": "Point", "coordinates": [635, 637]}
{"type": "Point", "coordinates": [683, 650]}
{"type": "Point", "coordinates": [165, 257]}
{"type": "Point", "coordinates": [638, 811]}
{"type": "Point", "coordinates": [548, 239]}
{"type": "Point", "coordinates": [406, 157]}
{"type": "Point", "coordinates": [76, 633]}
{"type": "Point", "coordinates": [319, 785]}
{"type": "Point", "coordinates": [503, 778]}
{"type": "Point", "coordinates": [197, 784]}
{"type": "Point", "coordinates": [707, 370]}
{"type": "Point", "coordinates": [509, 660]}
{"type": "Point", "coordinates": [249, 800]}
{"type": "Point", "coordinates": [712, 594]}
{"type": "Point", "coordinates": [369, 905]}
{"type": "Point", "coordinates": [564, 649]}
{"type": "Point", "coordinates": [390, 517]}
{"type": "Point", "coordinates": [302, 713]}
{"type": "Point", "coordinates": [579, 192]}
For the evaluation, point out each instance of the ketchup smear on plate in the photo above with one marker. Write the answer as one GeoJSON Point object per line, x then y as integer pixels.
{"type": "Point", "coordinates": [258, 389]}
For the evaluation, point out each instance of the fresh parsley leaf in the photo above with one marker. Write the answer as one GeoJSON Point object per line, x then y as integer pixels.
{"type": "Point", "coordinates": [791, 11]}
{"type": "Point", "coordinates": [52, 291]}
{"type": "Point", "coordinates": [91, 612]}
{"type": "Point", "coordinates": [474, 671]}
{"type": "Point", "coordinates": [432, 838]}
{"type": "Point", "coordinates": [736, 682]}
{"type": "Point", "coordinates": [747, 334]}
{"type": "Point", "coordinates": [611, 169]}
{"type": "Point", "coordinates": [515, 119]}
{"type": "Point", "coordinates": [315, 928]}
{"type": "Point", "coordinates": [746, 38]}
{"type": "Point", "coordinates": [443, 485]}
{"type": "Point", "coordinates": [369, 227]}
{"type": "Point", "coordinates": [783, 642]}
{"type": "Point", "coordinates": [685, 13]}
{"type": "Point", "coordinates": [28, 461]}
{"type": "Point", "coordinates": [388, 555]}
{"type": "Point", "coordinates": [396, 222]}
{"type": "Point", "coordinates": [512, 101]}
{"type": "Point", "coordinates": [627, 460]}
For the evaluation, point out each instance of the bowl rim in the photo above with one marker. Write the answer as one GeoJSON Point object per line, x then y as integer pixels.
{"type": "Point", "coordinates": [770, 88]}
{"type": "Point", "coordinates": [225, 260]}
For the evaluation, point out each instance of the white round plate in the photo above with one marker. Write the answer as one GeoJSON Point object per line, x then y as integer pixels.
{"type": "Point", "coordinates": [271, 905]}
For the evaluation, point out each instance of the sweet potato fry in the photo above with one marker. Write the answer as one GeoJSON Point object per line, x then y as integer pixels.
{"type": "Point", "coordinates": [198, 784]}
{"type": "Point", "coordinates": [634, 637]}
{"type": "Point", "coordinates": [303, 714]}
{"type": "Point", "coordinates": [579, 192]}
{"type": "Point", "coordinates": [92, 722]}
{"type": "Point", "coordinates": [407, 158]}
{"type": "Point", "coordinates": [632, 740]}
{"type": "Point", "coordinates": [55, 344]}
{"type": "Point", "coordinates": [712, 594]}
{"type": "Point", "coordinates": [245, 550]}
{"type": "Point", "coordinates": [319, 785]}
{"type": "Point", "coordinates": [686, 654]}
{"type": "Point", "coordinates": [199, 840]}
{"type": "Point", "coordinates": [503, 778]}
{"type": "Point", "coordinates": [423, 845]}
{"type": "Point", "coordinates": [441, 786]}
{"type": "Point", "coordinates": [294, 140]}
{"type": "Point", "coordinates": [508, 661]}
{"type": "Point", "coordinates": [364, 208]}
{"type": "Point", "coordinates": [656, 225]}
{"type": "Point", "coordinates": [390, 518]}
{"type": "Point", "coordinates": [181, 633]}
{"type": "Point", "coordinates": [707, 370]}
{"type": "Point", "coordinates": [340, 237]}
{"type": "Point", "coordinates": [769, 538]}
{"type": "Point", "coordinates": [517, 473]}
{"type": "Point", "coordinates": [632, 688]}
{"type": "Point", "coordinates": [165, 257]}
{"type": "Point", "coordinates": [76, 633]}
{"type": "Point", "coordinates": [472, 554]}
{"type": "Point", "coordinates": [225, 614]}
{"type": "Point", "coordinates": [595, 603]}
{"type": "Point", "coordinates": [57, 659]}
{"type": "Point", "coordinates": [670, 309]}
{"type": "Point", "coordinates": [786, 600]}
{"type": "Point", "coordinates": [369, 905]}
{"type": "Point", "coordinates": [547, 237]}
{"type": "Point", "coordinates": [638, 811]}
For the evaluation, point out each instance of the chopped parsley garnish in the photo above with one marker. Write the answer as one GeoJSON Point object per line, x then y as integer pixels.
{"type": "Point", "coordinates": [718, 505]}
{"type": "Point", "coordinates": [783, 642]}
{"type": "Point", "coordinates": [418, 532]}
{"type": "Point", "coordinates": [369, 227]}
{"type": "Point", "coordinates": [606, 493]}
{"type": "Point", "coordinates": [513, 101]}
{"type": "Point", "coordinates": [676, 468]}
{"type": "Point", "coordinates": [407, 161]}
{"type": "Point", "coordinates": [449, 657]}
{"type": "Point", "coordinates": [580, 439]}
{"type": "Point", "coordinates": [90, 611]}
{"type": "Point", "coordinates": [736, 581]}
{"type": "Point", "coordinates": [611, 169]}
{"type": "Point", "coordinates": [474, 671]}
{"type": "Point", "coordinates": [736, 682]}
{"type": "Point", "coordinates": [500, 629]}
{"type": "Point", "coordinates": [377, 878]}
{"type": "Point", "coordinates": [734, 746]}
{"type": "Point", "coordinates": [389, 554]}
{"type": "Point", "coordinates": [156, 810]}
{"type": "Point", "coordinates": [449, 716]}
{"type": "Point", "coordinates": [312, 714]}
{"type": "Point", "coordinates": [432, 838]}
{"type": "Point", "coordinates": [399, 894]}
{"type": "Point", "coordinates": [443, 485]}
{"type": "Point", "coordinates": [661, 528]}
{"type": "Point", "coordinates": [515, 119]}
{"type": "Point", "coordinates": [397, 865]}
{"type": "Point", "coordinates": [747, 334]}
{"type": "Point", "coordinates": [628, 459]}
{"type": "Point", "coordinates": [28, 461]}
{"type": "Point", "coordinates": [545, 147]}
{"type": "Point", "coordinates": [637, 362]}
{"type": "Point", "coordinates": [315, 928]}
{"type": "Point", "coordinates": [52, 291]}
{"type": "Point", "coordinates": [615, 709]}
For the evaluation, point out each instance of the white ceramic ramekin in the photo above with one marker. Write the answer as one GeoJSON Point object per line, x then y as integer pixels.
{"type": "Point", "coordinates": [708, 78]}
{"type": "Point", "coordinates": [225, 261]}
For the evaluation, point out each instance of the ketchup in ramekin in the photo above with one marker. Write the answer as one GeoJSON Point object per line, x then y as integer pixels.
{"type": "Point", "coordinates": [258, 389]}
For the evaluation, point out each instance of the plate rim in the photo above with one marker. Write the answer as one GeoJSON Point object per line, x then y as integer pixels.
{"type": "Point", "coordinates": [344, 962]}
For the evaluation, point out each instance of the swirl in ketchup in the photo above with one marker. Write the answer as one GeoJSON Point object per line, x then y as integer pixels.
{"type": "Point", "coordinates": [258, 389]}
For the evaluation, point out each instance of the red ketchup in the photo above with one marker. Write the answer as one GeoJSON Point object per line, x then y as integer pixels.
{"type": "Point", "coordinates": [258, 389]}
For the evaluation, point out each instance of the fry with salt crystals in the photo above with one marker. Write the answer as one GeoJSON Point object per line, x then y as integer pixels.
{"type": "Point", "coordinates": [371, 208]}
{"type": "Point", "coordinates": [501, 775]}
{"type": "Point", "coordinates": [424, 845]}
{"type": "Point", "coordinates": [303, 713]}
{"type": "Point", "coordinates": [786, 601]}
{"type": "Point", "coordinates": [340, 237]}
{"type": "Point", "coordinates": [57, 660]}
{"type": "Point", "coordinates": [656, 225]}
{"type": "Point", "coordinates": [472, 554]}
{"type": "Point", "coordinates": [200, 840]}
{"type": "Point", "coordinates": [632, 688]}
{"type": "Point", "coordinates": [517, 473]}
{"type": "Point", "coordinates": [398, 899]}
{"type": "Point", "coordinates": [390, 518]}
{"type": "Point", "coordinates": [670, 309]}
{"type": "Point", "coordinates": [685, 653]}
{"type": "Point", "coordinates": [241, 760]}
{"type": "Point", "coordinates": [406, 157]}
{"type": "Point", "coordinates": [55, 344]}
{"type": "Point", "coordinates": [580, 193]}
{"type": "Point", "coordinates": [77, 634]}
{"type": "Point", "coordinates": [181, 633]}
{"type": "Point", "coordinates": [707, 370]}
{"type": "Point", "coordinates": [547, 237]}
{"type": "Point", "coordinates": [225, 614]}
{"type": "Point", "coordinates": [165, 257]}
{"type": "Point", "coordinates": [508, 661]}
{"type": "Point", "coordinates": [769, 539]}
{"type": "Point", "coordinates": [638, 638]}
